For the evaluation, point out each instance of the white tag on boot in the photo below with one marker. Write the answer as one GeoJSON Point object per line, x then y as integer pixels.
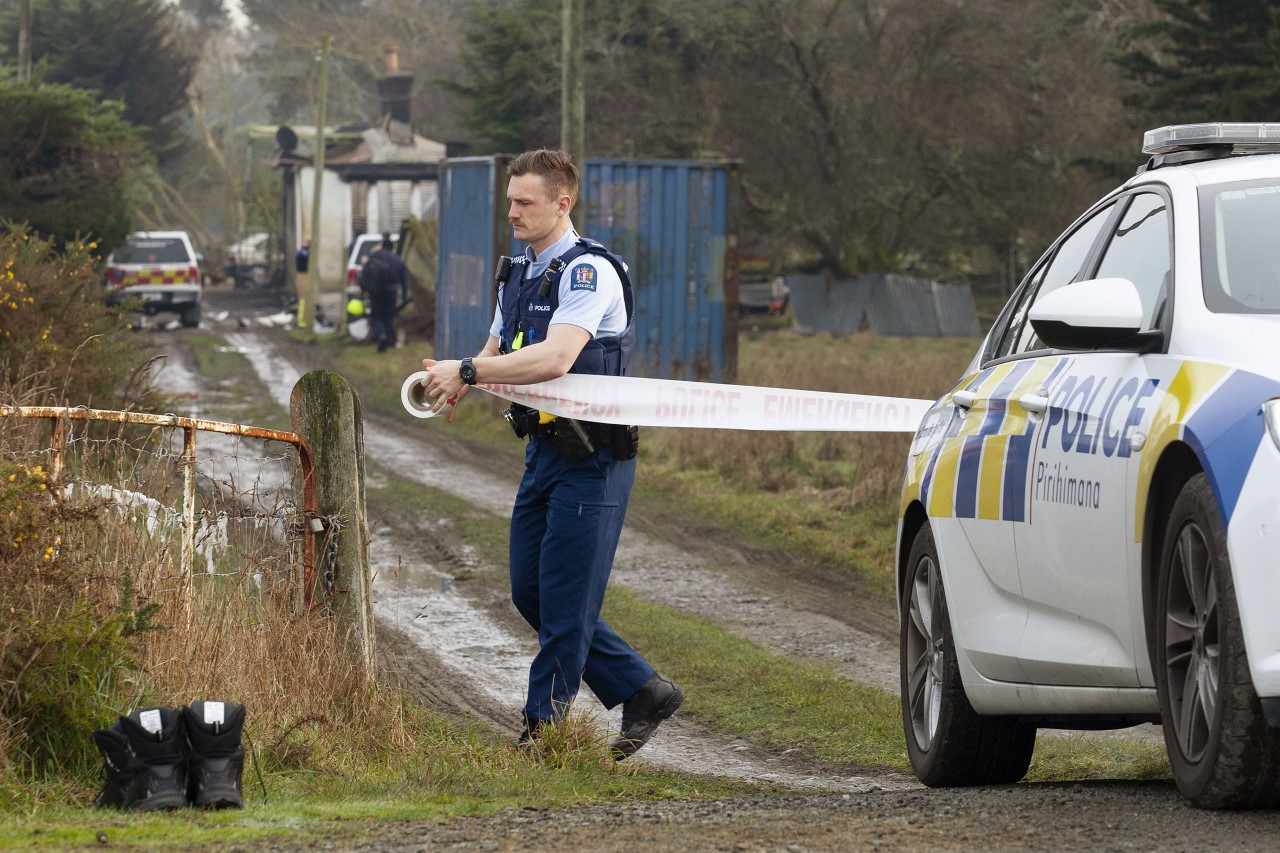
{"type": "Point", "coordinates": [214, 713]}
{"type": "Point", "coordinates": [150, 720]}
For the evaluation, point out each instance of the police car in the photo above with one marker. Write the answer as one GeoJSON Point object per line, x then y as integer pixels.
{"type": "Point", "coordinates": [1089, 533]}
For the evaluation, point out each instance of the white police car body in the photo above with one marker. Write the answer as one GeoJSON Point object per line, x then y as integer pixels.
{"type": "Point", "coordinates": [1090, 519]}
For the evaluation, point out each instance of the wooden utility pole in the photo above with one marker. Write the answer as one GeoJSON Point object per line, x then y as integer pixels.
{"type": "Point", "coordinates": [573, 91]}
{"type": "Point", "coordinates": [24, 40]}
{"type": "Point", "coordinates": [307, 306]}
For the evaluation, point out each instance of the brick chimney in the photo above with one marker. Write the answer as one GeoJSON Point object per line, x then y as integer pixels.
{"type": "Point", "coordinates": [395, 88]}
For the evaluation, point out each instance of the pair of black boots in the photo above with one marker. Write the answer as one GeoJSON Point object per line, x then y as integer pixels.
{"type": "Point", "coordinates": [167, 758]}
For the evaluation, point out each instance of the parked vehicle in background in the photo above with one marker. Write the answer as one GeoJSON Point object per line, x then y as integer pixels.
{"type": "Point", "coordinates": [763, 297]}
{"type": "Point", "coordinates": [254, 260]}
{"type": "Point", "coordinates": [759, 291]}
{"type": "Point", "coordinates": [1087, 515]}
{"type": "Point", "coordinates": [361, 247]}
{"type": "Point", "coordinates": [160, 272]}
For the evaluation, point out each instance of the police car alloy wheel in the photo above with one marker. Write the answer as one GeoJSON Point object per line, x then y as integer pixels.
{"type": "Point", "coordinates": [1222, 751]}
{"type": "Point", "coordinates": [1090, 515]}
{"type": "Point", "coordinates": [949, 744]}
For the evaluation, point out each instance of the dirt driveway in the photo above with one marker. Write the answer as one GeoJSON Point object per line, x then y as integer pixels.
{"type": "Point", "coordinates": [465, 649]}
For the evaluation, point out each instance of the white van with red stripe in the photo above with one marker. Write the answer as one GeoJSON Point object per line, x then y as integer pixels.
{"type": "Point", "coordinates": [158, 271]}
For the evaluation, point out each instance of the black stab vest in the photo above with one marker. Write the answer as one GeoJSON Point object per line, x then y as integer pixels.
{"type": "Point", "coordinates": [527, 306]}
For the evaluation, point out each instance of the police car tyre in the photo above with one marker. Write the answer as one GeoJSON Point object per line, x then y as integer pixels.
{"type": "Point", "coordinates": [190, 317]}
{"type": "Point", "coordinates": [1222, 751]}
{"type": "Point", "coordinates": [949, 743]}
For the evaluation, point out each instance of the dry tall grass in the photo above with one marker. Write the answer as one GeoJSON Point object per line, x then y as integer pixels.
{"type": "Point", "coordinates": [96, 615]}
{"type": "Point", "coordinates": [106, 620]}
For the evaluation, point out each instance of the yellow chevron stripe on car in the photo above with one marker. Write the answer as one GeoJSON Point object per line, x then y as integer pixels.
{"type": "Point", "coordinates": [1190, 386]}
{"type": "Point", "coordinates": [991, 478]}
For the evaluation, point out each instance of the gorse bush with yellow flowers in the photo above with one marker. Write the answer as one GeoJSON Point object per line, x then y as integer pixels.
{"type": "Point", "coordinates": [59, 344]}
{"type": "Point", "coordinates": [65, 653]}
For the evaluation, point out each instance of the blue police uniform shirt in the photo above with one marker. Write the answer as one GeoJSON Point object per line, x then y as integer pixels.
{"type": "Point", "coordinates": [590, 291]}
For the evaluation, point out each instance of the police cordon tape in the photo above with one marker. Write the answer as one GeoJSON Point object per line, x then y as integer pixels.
{"type": "Point", "coordinates": [676, 403]}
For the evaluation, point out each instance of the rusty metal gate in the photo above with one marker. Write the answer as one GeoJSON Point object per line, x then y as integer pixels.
{"type": "Point", "coordinates": [61, 417]}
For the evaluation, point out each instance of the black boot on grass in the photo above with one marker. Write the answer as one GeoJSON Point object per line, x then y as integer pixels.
{"type": "Point", "coordinates": [530, 733]}
{"type": "Point", "coordinates": [217, 756]}
{"type": "Point", "coordinates": [159, 770]}
{"type": "Point", "coordinates": [113, 743]}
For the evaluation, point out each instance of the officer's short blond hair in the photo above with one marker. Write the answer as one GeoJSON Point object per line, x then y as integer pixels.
{"type": "Point", "coordinates": [556, 168]}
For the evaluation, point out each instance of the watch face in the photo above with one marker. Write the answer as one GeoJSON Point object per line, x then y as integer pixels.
{"type": "Point", "coordinates": [468, 372]}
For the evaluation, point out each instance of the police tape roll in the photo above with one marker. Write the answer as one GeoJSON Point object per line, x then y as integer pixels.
{"type": "Point", "coordinates": [675, 403]}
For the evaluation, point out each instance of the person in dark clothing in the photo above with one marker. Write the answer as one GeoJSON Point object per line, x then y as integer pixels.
{"type": "Point", "coordinates": [385, 282]}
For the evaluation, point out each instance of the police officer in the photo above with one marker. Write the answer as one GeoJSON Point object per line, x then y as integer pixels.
{"type": "Point", "coordinates": [393, 281]}
{"type": "Point", "coordinates": [302, 258]}
{"type": "Point", "coordinates": [564, 307]}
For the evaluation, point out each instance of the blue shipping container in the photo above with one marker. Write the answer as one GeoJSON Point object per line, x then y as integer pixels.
{"type": "Point", "coordinates": [674, 222]}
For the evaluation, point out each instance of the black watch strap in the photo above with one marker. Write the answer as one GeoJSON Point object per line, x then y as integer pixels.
{"type": "Point", "coordinates": [467, 371]}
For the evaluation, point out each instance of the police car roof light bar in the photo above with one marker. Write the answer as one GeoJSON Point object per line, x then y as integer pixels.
{"type": "Point", "coordinates": [1180, 137]}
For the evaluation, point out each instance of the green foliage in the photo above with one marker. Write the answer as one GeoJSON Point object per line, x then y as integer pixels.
{"type": "Point", "coordinates": [952, 141]}
{"type": "Point", "coordinates": [749, 691]}
{"type": "Point", "coordinates": [64, 641]}
{"type": "Point", "coordinates": [59, 345]}
{"type": "Point", "coordinates": [1207, 60]}
{"type": "Point", "coordinates": [648, 65]}
{"type": "Point", "coordinates": [64, 653]}
{"type": "Point", "coordinates": [512, 55]}
{"type": "Point", "coordinates": [125, 50]}
{"type": "Point", "coordinates": [65, 161]}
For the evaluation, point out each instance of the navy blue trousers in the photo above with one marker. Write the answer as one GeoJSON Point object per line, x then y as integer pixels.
{"type": "Point", "coordinates": [382, 317]}
{"type": "Point", "coordinates": [564, 532]}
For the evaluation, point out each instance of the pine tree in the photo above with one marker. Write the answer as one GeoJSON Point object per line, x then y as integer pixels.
{"type": "Point", "coordinates": [125, 50]}
{"type": "Point", "coordinates": [65, 161]}
{"type": "Point", "coordinates": [512, 56]}
{"type": "Point", "coordinates": [1208, 60]}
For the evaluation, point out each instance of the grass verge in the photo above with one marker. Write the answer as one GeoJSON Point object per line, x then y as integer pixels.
{"type": "Point", "coordinates": [739, 688]}
{"type": "Point", "coordinates": [449, 768]}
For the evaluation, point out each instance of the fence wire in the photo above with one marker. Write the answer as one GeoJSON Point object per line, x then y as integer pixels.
{"type": "Point", "coordinates": [160, 504]}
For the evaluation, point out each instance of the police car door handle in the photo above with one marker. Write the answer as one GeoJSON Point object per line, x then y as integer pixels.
{"type": "Point", "coordinates": [963, 399]}
{"type": "Point", "coordinates": [1036, 402]}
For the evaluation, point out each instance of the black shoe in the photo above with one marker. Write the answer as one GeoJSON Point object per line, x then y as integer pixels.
{"type": "Point", "coordinates": [530, 733]}
{"type": "Point", "coordinates": [117, 760]}
{"type": "Point", "coordinates": [217, 756]}
{"type": "Point", "coordinates": [643, 712]}
{"type": "Point", "coordinates": [159, 769]}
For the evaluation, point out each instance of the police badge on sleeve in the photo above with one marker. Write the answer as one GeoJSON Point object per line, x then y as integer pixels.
{"type": "Point", "coordinates": [583, 277]}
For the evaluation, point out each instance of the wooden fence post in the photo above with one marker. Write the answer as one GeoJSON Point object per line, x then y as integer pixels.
{"type": "Point", "coordinates": [325, 411]}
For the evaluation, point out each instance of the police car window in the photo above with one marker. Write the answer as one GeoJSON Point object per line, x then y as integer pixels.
{"type": "Point", "coordinates": [1139, 251]}
{"type": "Point", "coordinates": [1018, 314]}
{"type": "Point", "coordinates": [1239, 248]}
{"type": "Point", "coordinates": [1066, 267]}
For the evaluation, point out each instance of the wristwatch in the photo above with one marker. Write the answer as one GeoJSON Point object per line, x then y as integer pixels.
{"type": "Point", "coordinates": [467, 371]}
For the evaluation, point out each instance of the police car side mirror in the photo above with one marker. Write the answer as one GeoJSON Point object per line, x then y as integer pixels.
{"type": "Point", "coordinates": [1103, 313]}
